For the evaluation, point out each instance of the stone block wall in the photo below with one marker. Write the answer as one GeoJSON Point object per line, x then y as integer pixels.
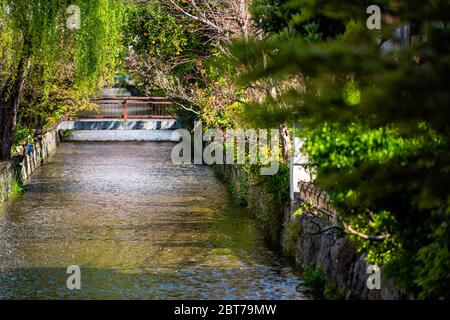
{"type": "Point", "coordinates": [316, 238]}
{"type": "Point", "coordinates": [6, 178]}
{"type": "Point", "coordinates": [261, 204]}
{"type": "Point", "coordinates": [42, 148]}
{"type": "Point", "coordinates": [321, 245]}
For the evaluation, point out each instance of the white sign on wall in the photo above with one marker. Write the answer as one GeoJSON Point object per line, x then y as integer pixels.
{"type": "Point", "coordinates": [299, 160]}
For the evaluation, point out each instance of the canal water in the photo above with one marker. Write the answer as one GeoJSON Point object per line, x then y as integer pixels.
{"type": "Point", "coordinates": [138, 226]}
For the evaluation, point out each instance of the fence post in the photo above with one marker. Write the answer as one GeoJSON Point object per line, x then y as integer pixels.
{"type": "Point", "coordinates": [125, 113]}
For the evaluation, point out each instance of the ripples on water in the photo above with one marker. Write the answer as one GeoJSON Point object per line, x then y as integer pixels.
{"type": "Point", "coordinates": [138, 226]}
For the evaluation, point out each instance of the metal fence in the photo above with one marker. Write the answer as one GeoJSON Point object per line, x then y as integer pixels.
{"type": "Point", "coordinates": [130, 108]}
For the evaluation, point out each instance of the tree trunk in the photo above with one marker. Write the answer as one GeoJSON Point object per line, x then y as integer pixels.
{"type": "Point", "coordinates": [285, 135]}
{"type": "Point", "coordinates": [285, 143]}
{"type": "Point", "coordinates": [9, 107]}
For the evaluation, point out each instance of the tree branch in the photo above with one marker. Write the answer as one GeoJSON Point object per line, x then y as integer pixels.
{"type": "Point", "coordinates": [364, 236]}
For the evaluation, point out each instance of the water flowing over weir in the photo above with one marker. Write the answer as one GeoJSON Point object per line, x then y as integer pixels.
{"type": "Point", "coordinates": [138, 226]}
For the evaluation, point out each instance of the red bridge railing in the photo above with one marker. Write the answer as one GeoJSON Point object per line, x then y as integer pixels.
{"type": "Point", "coordinates": [130, 108]}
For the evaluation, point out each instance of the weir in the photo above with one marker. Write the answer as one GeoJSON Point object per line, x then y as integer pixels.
{"type": "Point", "coordinates": [118, 130]}
{"type": "Point", "coordinates": [123, 118]}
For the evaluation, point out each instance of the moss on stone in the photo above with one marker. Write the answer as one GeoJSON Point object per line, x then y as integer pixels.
{"type": "Point", "coordinates": [290, 238]}
{"type": "Point", "coordinates": [332, 291]}
{"type": "Point", "coordinates": [264, 196]}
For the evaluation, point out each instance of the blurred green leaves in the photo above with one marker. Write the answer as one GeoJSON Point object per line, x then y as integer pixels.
{"type": "Point", "coordinates": [375, 122]}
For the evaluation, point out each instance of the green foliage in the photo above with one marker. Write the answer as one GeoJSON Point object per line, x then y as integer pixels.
{"type": "Point", "coordinates": [237, 188]}
{"type": "Point", "coordinates": [290, 237]}
{"type": "Point", "coordinates": [375, 129]}
{"type": "Point", "coordinates": [315, 280]}
{"type": "Point", "coordinates": [278, 184]}
{"type": "Point", "coordinates": [299, 212]}
{"type": "Point", "coordinates": [168, 49]}
{"type": "Point", "coordinates": [435, 277]}
{"type": "Point", "coordinates": [181, 57]}
{"type": "Point", "coordinates": [269, 210]}
{"type": "Point", "coordinates": [332, 292]}
{"type": "Point", "coordinates": [217, 172]}
{"type": "Point", "coordinates": [99, 43]}
{"type": "Point", "coordinates": [96, 43]}
{"type": "Point", "coordinates": [17, 186]}
{"type": "Point", "coordinates": [64, 67]}
{"type": "Point", "coordinates": [154, 30]}
{"type": "Point", "coordinates": [281, 17]}
{"type": "Point", "coordinates": [240, 191]}
{"type": "Point", "coordinates": [277, 196]}
{"type": "Point", "coordinates": [23, 135]}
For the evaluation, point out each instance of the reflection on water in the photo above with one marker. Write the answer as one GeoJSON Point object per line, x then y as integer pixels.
{"type": "Point", "coordinates": [138, 226]}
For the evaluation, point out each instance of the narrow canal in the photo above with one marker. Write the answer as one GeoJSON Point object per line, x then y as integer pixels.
{"type": "Point", "coordinates": [138, 226]}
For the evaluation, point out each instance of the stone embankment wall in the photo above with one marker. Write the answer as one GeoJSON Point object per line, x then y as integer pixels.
{"type": "Point", "coordinates": [321, 244]}
{"type": "Point", "coordinates": [42, 149]}
{"type": "Point", "coordinates": [26, 165]}
{"type": "Point", "coordinates": [251, 193]}
{"type": "Point", "coordinates": [6, 178]}
{"type": "Point", "coordinates": [313, 237]}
